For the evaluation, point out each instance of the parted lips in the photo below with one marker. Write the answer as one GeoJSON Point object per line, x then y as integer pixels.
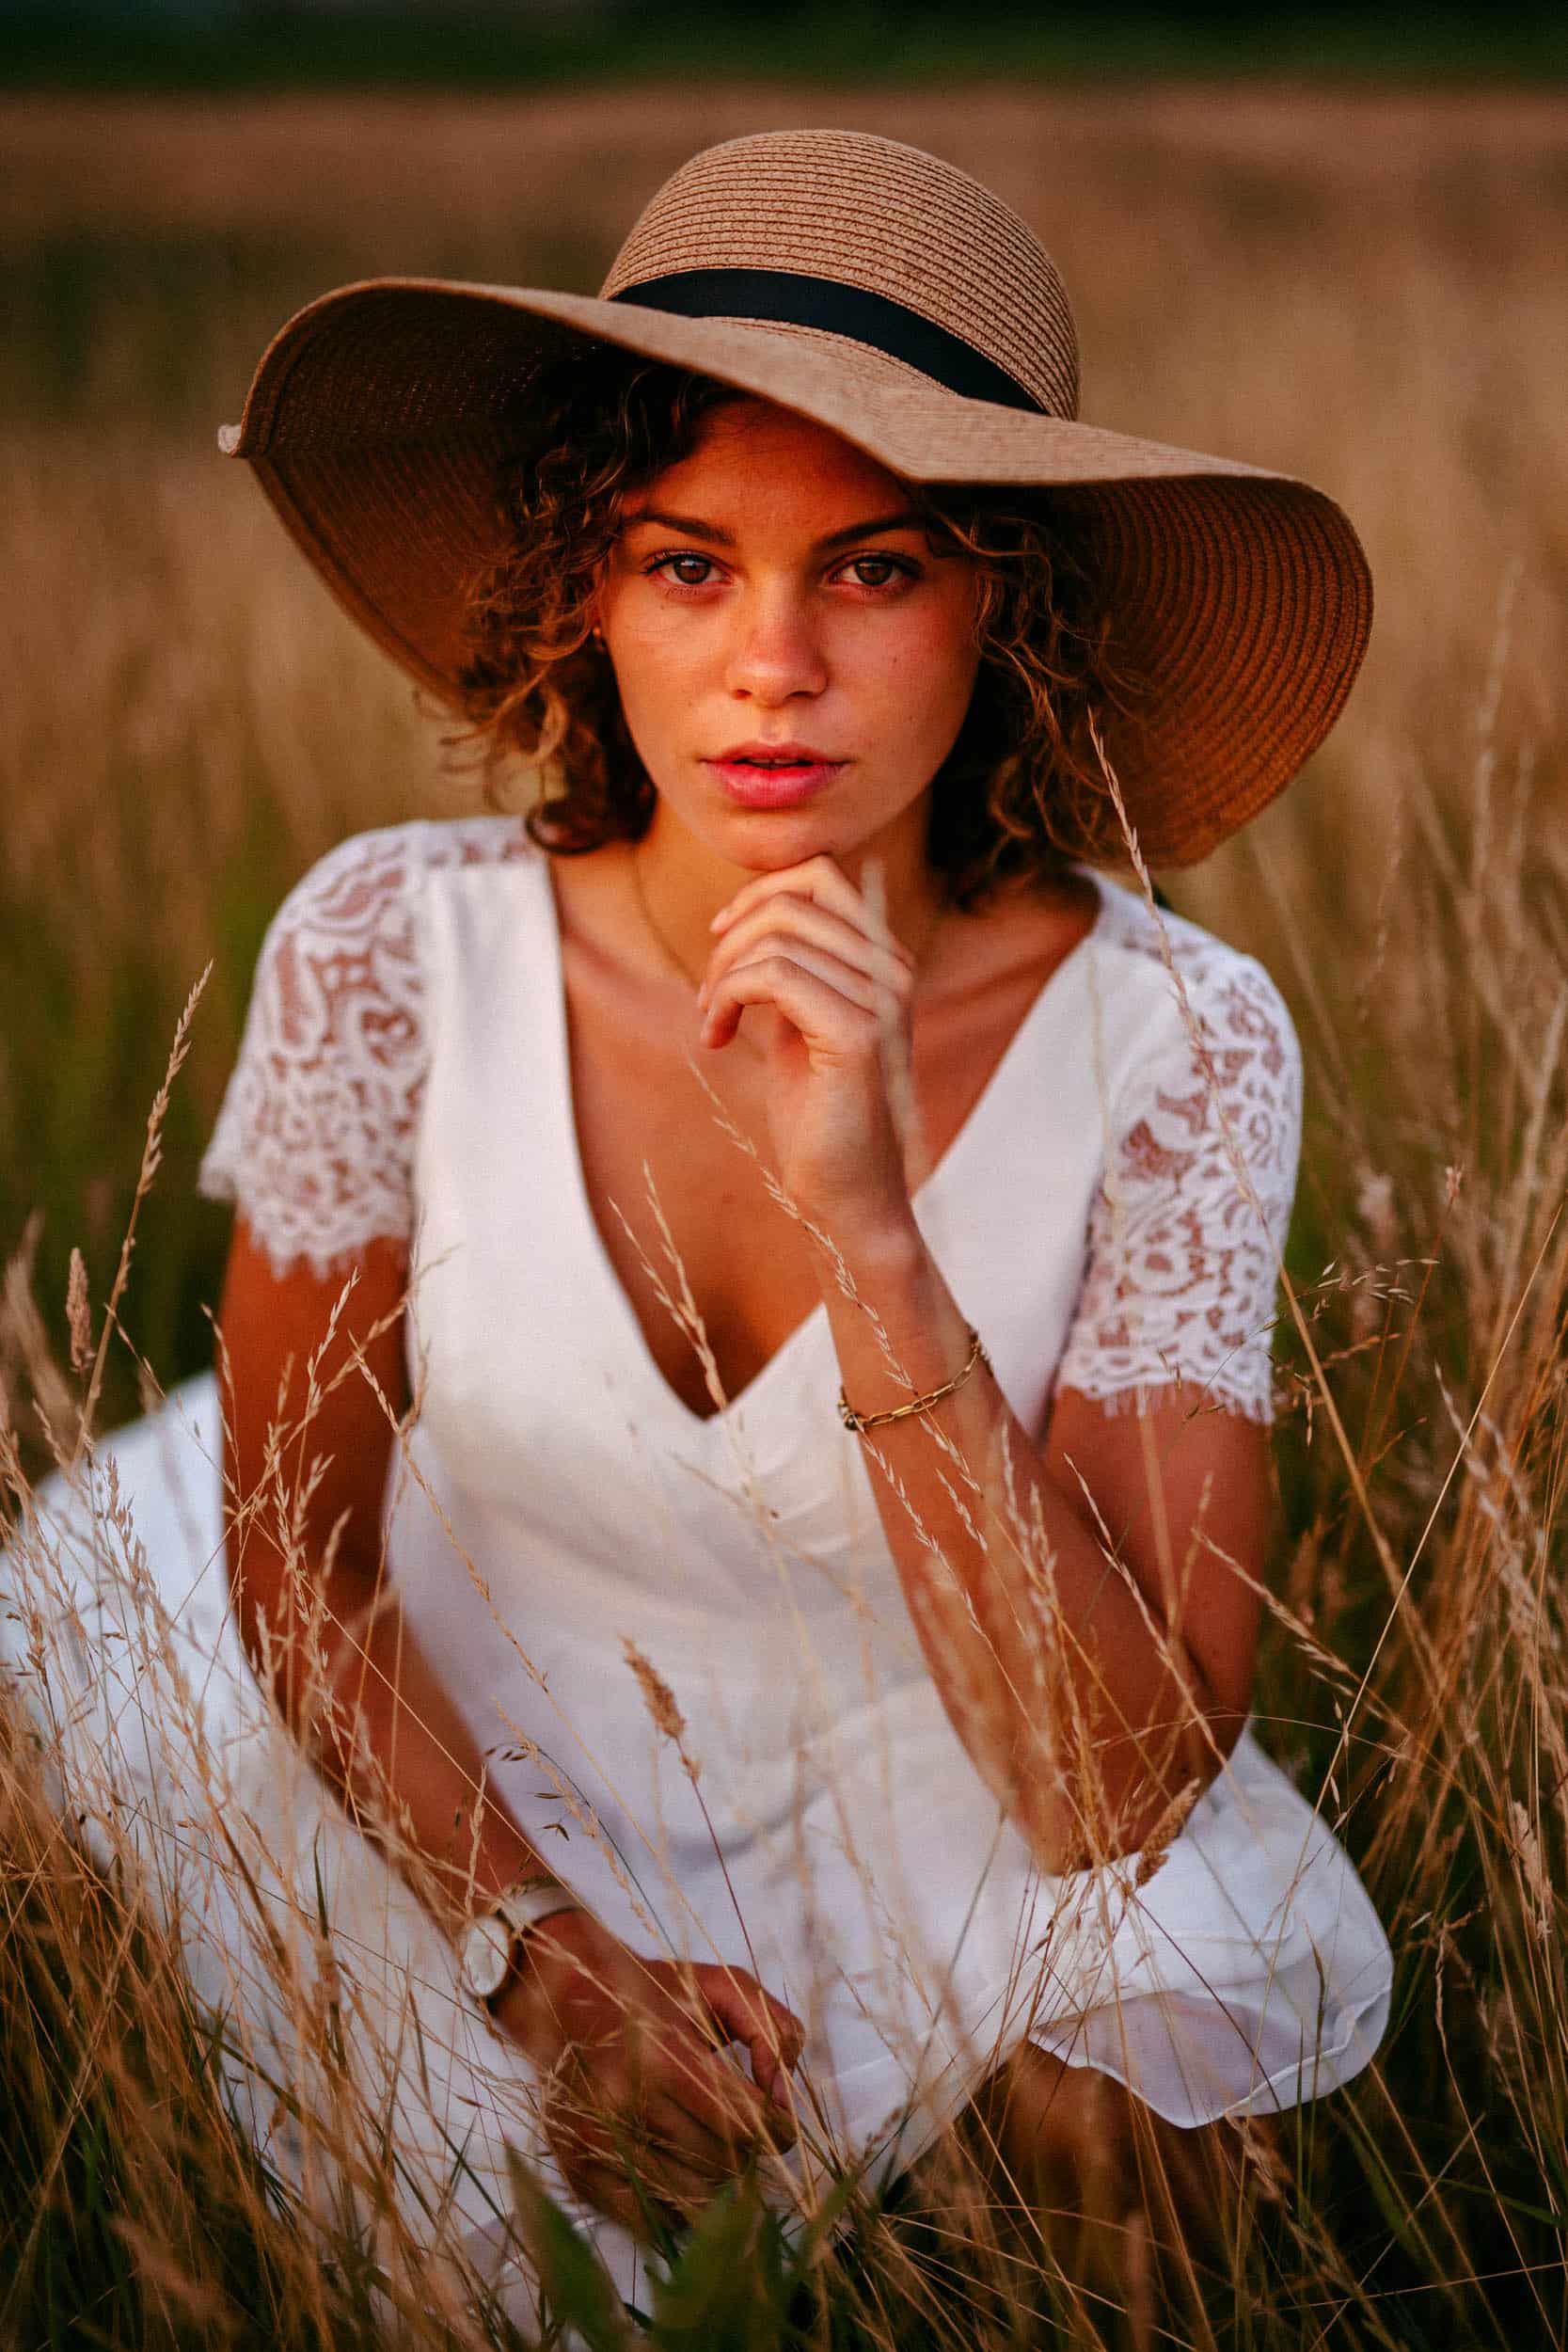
{"type": "Point", "coordinates": [895, 299]}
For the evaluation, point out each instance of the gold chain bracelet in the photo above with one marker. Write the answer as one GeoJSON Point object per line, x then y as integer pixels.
{"type": "Point", "coordinates": [860, 1423]}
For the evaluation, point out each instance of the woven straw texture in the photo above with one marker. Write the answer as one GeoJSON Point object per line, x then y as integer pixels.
{"type": "Point", "coordinates": [870, 212]}
{"type": "Point", "coordinates": [1240, 601]}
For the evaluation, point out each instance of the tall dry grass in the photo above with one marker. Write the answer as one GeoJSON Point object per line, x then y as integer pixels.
{"type": "Point", "coordinates": [1362, 291]}
{"type": "Point", "coordinates": [1365, 291]}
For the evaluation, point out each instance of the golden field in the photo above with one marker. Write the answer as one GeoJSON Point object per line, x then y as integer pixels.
{"type": "Point", "coordinates": [1363, 289]}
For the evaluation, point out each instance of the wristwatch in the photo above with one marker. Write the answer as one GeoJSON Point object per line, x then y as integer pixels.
{"type": "Point", "coordinates": [491, 1939]}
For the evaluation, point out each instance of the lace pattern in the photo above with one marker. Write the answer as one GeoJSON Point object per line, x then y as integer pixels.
{"type": "Point", "coordinates": [1180, 1265]}
{"type": "Point", "coordinates": [314, 1141]}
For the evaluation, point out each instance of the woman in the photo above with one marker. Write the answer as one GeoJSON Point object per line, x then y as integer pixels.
{"type": "Point", "coordinates": [747, 1330]}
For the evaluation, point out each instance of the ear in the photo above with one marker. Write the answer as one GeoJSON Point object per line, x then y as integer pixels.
{"type": "Point", "coordinates": [594, 614]}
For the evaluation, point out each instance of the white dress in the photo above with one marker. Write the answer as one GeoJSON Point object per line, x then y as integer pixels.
{"type": "Point", "coordinates": [405, 1072]}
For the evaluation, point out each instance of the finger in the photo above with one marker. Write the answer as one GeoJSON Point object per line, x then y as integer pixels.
{"type": "Point", "coordinates": [581, 2127]}
{"type": "Point", "coordinates": [738, 2122]}
{"type": "Point", "coordinates": [792, 918]}
{"type": "Point", "coordinates": [725, 2116]}
{"type": "Point", "coordinates": [735, 2108]}
{"type": "Point", "coordinates": [773, 2035]}
{"type": "Point", "coordinates": [656, 2150]}
{"type": "Point", "coordinates": [774, 2057]}
{"type": "Point", "coordinates": [858, 986]}
{"type": "Point", "coordinates": [744, 2008]}
{"type": "Point", "coordinates": [711, 2092]}
{"type": "Point", "coordinates": [676, 2188]}
{"type": "Point", "coordinates": [675, 2136]}
{"type": "Point", "coordinates": [668, 2177]}
{"type": "Point", "coordinates": [697, 2140]}
{"type": "Point", "coordinates": [825, 1000]}
{"type": "Point", "coordinates": [821, 879]}
{"type": "Point", "coordinates": [659, 2093]}
{"type": "Point", "coordinates": [624, 2196]}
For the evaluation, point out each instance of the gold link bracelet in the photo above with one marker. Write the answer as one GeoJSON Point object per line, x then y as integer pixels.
{"type": "Point", "coordinates": [860, 1423]}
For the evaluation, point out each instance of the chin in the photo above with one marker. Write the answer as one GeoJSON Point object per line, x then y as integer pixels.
{"type": "Point", "coordinates": [768, 848]}
{"type": "Point", "coordinates": [763, 841]}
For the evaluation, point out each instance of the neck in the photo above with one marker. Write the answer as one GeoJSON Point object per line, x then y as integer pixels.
{"type": "Point", "coordinates": [685, 884]}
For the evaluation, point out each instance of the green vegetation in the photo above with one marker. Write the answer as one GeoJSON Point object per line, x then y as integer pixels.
{"type": "Point", "coordinates": [1363, 290]}
{"type": "Point", "coordinates": [918, 41]}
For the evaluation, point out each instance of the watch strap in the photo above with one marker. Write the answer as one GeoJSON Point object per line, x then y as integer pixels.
{"type": "Point", "coordinates": [517, 1910]}
{"type": "Point", "coordinates": [524, 1905]}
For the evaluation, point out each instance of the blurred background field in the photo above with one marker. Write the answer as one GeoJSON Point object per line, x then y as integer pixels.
{"type": "Point", "coordinates": [532, 44]}
{"type": "Point", "coordinates": [1360, 284]}
{"type": "Point", "coordinates": [1364, 288]}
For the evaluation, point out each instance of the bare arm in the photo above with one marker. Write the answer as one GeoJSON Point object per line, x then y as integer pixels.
{"type": "Point", "coordinates": [1074, 1600]}
{"type": "Point", "coordinates": [629, 2046]}
{"type": "Point", "coordinates": [324, 1631]}
{"type": "Point", "coordinates": [1091, 1643]}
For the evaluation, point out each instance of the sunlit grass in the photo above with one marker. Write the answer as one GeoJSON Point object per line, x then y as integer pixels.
{"type": "Point", "coordinates": [1368, 297]}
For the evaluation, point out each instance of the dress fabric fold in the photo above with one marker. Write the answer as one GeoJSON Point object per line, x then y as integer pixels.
{"type": "Point", "coordinates": [559, 1515]}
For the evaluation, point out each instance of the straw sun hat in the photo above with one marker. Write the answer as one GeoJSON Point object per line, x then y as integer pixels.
{"type": "Point", "coordinates": [895, 299]}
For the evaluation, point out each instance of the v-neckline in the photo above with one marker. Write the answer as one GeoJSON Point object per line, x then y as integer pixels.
{"type": "Point", "coordinates": [564, 1105]}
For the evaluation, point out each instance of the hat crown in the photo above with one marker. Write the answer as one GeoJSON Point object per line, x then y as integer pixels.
{"type": "Point", "coordinates": [859, 211]}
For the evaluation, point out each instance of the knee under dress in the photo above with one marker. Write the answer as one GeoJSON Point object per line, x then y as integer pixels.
{"type": "Point", "coordinates": [1108, 1217]}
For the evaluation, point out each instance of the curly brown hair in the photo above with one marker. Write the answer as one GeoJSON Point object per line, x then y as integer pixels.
{"type": "Point", "coordinates": [1021, 791]}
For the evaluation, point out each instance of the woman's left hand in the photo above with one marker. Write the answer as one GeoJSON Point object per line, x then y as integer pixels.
{"type": "Point", "coordinates": [804, 946]}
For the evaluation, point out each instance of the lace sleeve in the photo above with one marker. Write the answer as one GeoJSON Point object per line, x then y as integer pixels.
{"type": "Point", "coordinates": [314, 1139]}
{"type": "Point", "coordinates": [1179, 1286]}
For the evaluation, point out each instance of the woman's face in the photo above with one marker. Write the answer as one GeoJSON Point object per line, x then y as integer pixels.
{"type": "Point", "coordinates": [772, 594]}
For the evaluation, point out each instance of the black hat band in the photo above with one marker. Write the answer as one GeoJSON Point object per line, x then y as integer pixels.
{"type": "Point", "coordinates": [792, 299]}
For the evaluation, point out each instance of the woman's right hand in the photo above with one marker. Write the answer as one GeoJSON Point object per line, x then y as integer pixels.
{"type": "Point", "coordinates": [646, 2112]}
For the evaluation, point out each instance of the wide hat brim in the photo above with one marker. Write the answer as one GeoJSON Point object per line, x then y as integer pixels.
{"type": "Point", "coordinates": [1239, 600]}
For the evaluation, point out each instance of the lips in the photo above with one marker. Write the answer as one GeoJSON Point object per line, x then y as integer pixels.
{"type": "Point", "coordinates": [788, 751]}
{"type": "Point", "coordinates": [774, 776]}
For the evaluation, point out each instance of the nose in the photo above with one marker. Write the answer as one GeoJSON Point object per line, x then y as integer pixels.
{"type": "Point", "coordinates": [775, 651]}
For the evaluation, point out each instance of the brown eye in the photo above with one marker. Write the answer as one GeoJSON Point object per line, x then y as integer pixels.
{"type": "Point", "coordinates": [888, 564]}
{"type": "Point", "coordinates": [668, 563]}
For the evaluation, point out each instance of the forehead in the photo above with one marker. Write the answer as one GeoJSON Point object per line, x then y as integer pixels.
{"type": "Point", "coordinates": [751, 447]}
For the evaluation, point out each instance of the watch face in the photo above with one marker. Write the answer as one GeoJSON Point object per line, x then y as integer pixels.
{"type": "Point", "coordinates": [486, 1955]}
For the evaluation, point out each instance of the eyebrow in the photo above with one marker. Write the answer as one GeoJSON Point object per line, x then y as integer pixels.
{"type": "Point", "coordinates": [694, 528]}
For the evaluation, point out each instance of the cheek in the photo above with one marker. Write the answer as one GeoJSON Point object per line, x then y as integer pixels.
{"type": "Point", "coordinates": [640, 625]}
{"type": "Point", "coordinates": [649, 716]}
{"type": "Point", "coordinates": [649, 659]}
{"type": "Point", "coordinates": [933, 676]}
